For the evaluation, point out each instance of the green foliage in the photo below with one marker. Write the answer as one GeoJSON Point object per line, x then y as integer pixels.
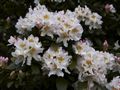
{"type": "Point", "coordinates": [61, 84]}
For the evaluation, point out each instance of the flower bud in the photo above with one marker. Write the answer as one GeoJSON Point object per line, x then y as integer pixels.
{"type": "Point", "coordinates": [39, 25]}
{"type": "Point", "coordinates": [109, 8]}
{"type": "Point", "coordinates": [3, 61]}
{"type": "Point", "coordinates": [117, 59]}
{"type": "Point", "coordinates": [105, 45]}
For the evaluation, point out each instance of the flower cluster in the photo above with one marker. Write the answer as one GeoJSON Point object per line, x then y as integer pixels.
{"type": "Point", "coordinates": [91, 64]}
{"type": "Point", "coordinates": [116, 65]}
{"type": "Point", "coordinates": [62, 26]}
{"type": "Point", "coordinates": [92, 19]}
{"type": "Point", "coordinates": [66, 25]}
{"type": "Point", "coordinates": [70, 29]}
{"type": "Point", "coordinates": [55, 60]}
{"type": "Point", "coordinates": [3, 61]}
{"type": "Point", "coordinates": [114, 84]}
{"type": "Point", "coordinates": [27, 49]}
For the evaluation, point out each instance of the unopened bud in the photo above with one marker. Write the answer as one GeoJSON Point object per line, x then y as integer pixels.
{"type": "Point", "coordinates": [117, 59]}
{"type": "Point", "coordinates": [109, 8]}
{"type": "Point", "coordinates": [12, 73]}
{"type": "Point", "coordinates": [39, 25]}
{"type": "Point", "coordinates": [105, 45]}
{"type": "Point", "coordinates": [8, 19]}
{"type": "Point", "coordinates": [20, 71]}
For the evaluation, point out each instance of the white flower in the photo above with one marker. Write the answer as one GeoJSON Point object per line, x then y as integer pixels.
{"type": "Point", "coordinates": [65, 25]}
{"type": "Point", "coordinates": [93, 64]}
{"type": "Point", "coordinates": [112, 9]}
{"type": "Point", "coordinates": [114, 84]}
{"type": "Point", "coordinates": [55, 60]}
{"type": "Point", "coordinates": [94, 21]}
{"type": "Point", "coordinates": [82, 13]}
{"type": "Point", "coordinates": [12, 40]}
{"type": "Point", "coordinates": [47, 17]}
{"type": "Point", "coordinates": [70, 28]}
{"type": "Point", "coordinates": [109, 59]}
{"type": "Point", "coordinates": [76, 32]}
{"type": "Point", "coordinates": [24, 24]}
{"type": "Point", "coordinates": [82, 48]}
{"type": "Point", "coordinates": [47, 30]}
{"type": "Point", "coordinates": [117, 46]}
{"type": "Point", "coordinates": [28, 48]}
{"type": "Point", "coordinates": [33, 16]}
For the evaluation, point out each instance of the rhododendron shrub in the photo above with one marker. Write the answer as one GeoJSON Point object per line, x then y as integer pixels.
{"type": "Point", "coordinates": [50, 47]}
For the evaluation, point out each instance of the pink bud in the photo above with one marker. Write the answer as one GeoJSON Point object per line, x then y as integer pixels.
{"type": "Point", "coordinates": [105, 45]}
{"type": "Point", "coordinates": [107, 8]}
{"type": "Point", "coordinates": [3, 61]}
{"type": "Point", "coordinates": [117, 59]}
{"type": "Point", "coordinates": [39, 25]}
{"type": "Point", "coordinates": [12, 40]}
{"type": "Point", "coordinates": [110, 8]}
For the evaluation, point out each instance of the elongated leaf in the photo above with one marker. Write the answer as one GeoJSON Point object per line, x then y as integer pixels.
{"type": "Point", "coordinates": [61, 84]}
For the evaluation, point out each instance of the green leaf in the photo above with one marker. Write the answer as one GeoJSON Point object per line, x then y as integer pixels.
{"type": "Point", "coordinates": [35, 70]}
{"type": "Point", "coordinates": [9, 84]}
{"type": "Point", "coordinates": [118, 32]}
{"type": "Point", "coordinates": [13, 66]}
{"type": "Point", "coordinates": [61, 84]}
{"type": "Point", "coordinates": [80, 85]}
